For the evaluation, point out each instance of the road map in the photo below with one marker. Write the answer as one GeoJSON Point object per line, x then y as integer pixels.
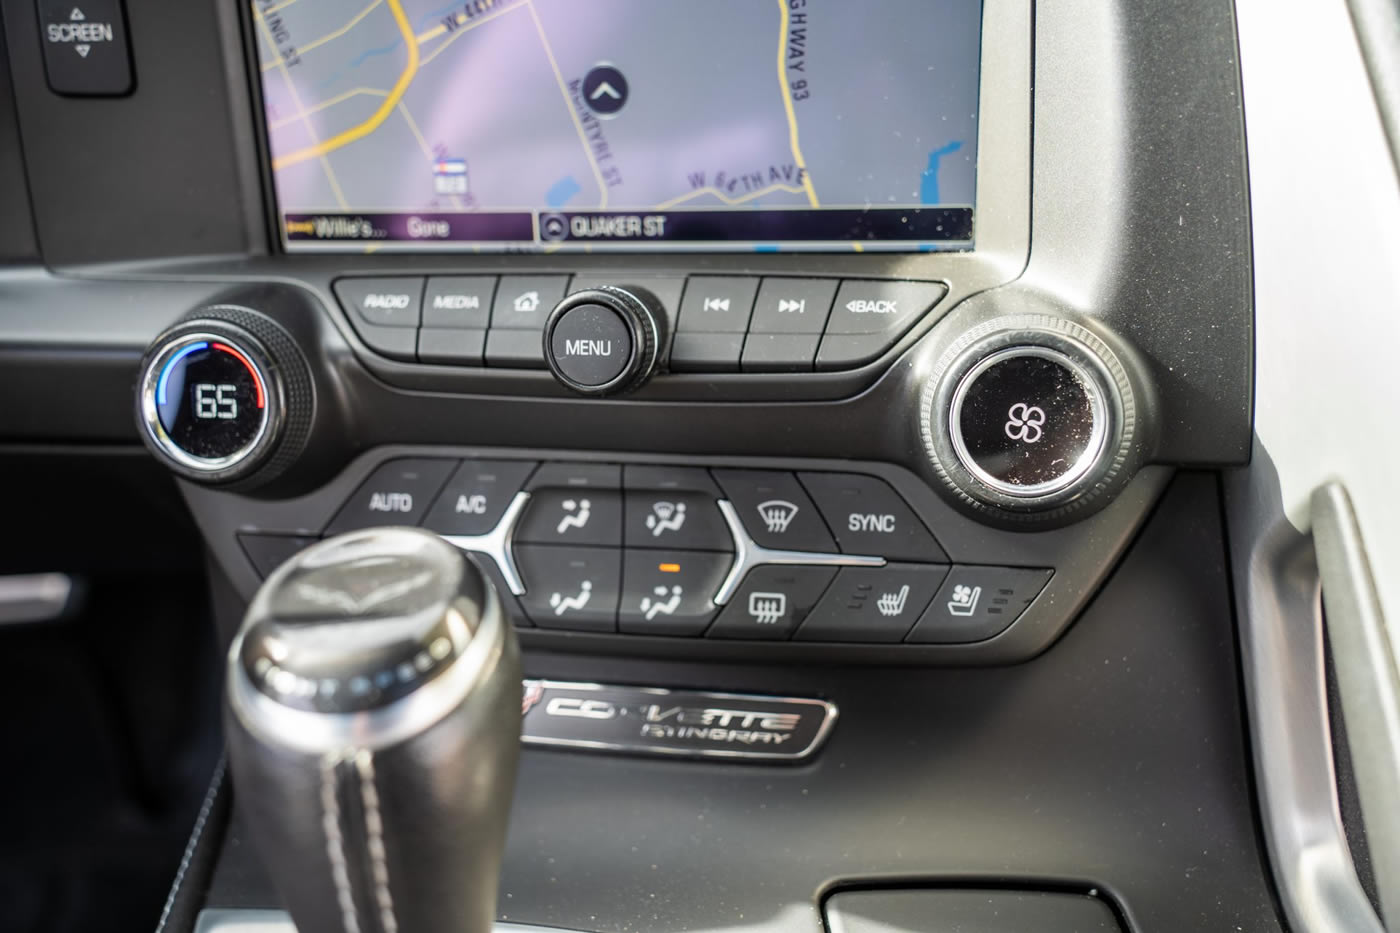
{"type": "Point", "coordinates": [568, 123]}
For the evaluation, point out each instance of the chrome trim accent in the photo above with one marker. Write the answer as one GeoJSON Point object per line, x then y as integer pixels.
{"type": "Point", "coordinates": [150, 413]}
{"type": "Point", "coordinates": [1097, 437]}
{"type": "Point", "coordinates": [1368, 683]}
{"type": "Point", "coordinates": [1282, 653]}
{"type": "Point", "coordinates": [498, 543]}
{"type": "Point", "coordinates": [317, 733]}
{"type": "Point", "coordinates": [829, 716]}
{"type": "Point", "coordinates": [35, 597]}
{"type": "Point", "coordinates": [240, 920]}
{"type": "Point", "coordinates": [749, 554]}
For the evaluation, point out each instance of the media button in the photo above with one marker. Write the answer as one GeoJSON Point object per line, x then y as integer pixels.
{"type": "Point", "coordinates": [459, 301]}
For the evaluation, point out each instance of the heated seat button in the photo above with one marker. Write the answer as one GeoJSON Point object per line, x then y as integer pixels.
{"type": "Point", "coordinates": [976, 603]}
{"type": "Point", "coordinates": [571, 587]}
{"type": "Point", "coordinates": [873, 604]}
{"type": "Point", "coordinates": [772, 601]}
{"type": "Point", "coordinates": [868, 517]}
{"type": "Point", "coordinates": [670, 592]}
{"type": "Point", "coordinates": [476, 496]}
{"type": "Point", "coordinates": [775, 510]}
{"type": "Point", "coordinates": [396, 493]}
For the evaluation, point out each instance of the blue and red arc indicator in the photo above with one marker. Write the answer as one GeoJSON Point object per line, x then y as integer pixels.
{"type": "Point", "coordinates": [207, 345]}
{"type": "Point", "coordinates": [211, 401]}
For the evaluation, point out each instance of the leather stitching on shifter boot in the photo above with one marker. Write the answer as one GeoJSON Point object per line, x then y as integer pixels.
{"type": "Point", "coordinates": [335, 841]}
{"type": "Point", "coordinates": [374, 832]}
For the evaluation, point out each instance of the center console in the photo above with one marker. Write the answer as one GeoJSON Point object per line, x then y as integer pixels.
{"type": "Point", "coordinates": [835, 378]}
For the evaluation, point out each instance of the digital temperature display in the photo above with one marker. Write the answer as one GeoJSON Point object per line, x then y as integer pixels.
{"type": "Point", "coordinates": [211, 400]}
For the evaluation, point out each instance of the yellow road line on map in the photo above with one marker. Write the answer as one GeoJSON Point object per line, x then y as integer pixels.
{"type": "Point", "coordinates": [331, 36]}
{"type": "Point", "coordinates": [569, 104]}
{"type": "Point", "coordinates": [711, 189]}
{"type": "Point", "coordinates": [296, 99]}
{"type": "Point", "coordinates": [380, 115]}
{"type": "Point", "coordinates": [787, 105]}
{"type": "Point", "coordinates": [278, 8]}
{"type": "Point", "coordinates": [378, 92]}
{"type": "Point", "coordinates": [460, 31]}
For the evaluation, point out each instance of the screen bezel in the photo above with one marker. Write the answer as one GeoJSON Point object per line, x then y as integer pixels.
{"type": "Point", "coordinates": [1000, 212]}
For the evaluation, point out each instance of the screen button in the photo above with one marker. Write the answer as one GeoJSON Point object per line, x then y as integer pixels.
{"type": "Point", "coordinates": [85, 47]}
{"type": "Point", "coordinates": [459, 301]}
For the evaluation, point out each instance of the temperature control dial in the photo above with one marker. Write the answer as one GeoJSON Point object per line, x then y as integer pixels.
{"type": "Point", "coordinates": [1029, 417]}
{"type": "Point", "coordinates": [223, 395]}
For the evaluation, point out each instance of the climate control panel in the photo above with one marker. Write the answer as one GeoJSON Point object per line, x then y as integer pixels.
{"type": "Point", "coordinates": [691, 552]}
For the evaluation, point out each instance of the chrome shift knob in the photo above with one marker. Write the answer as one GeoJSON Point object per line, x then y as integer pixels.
{"type": "Point", "coordinates": [373, 719]}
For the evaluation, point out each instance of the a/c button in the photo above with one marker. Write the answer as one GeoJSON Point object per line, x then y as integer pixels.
{"type": "Point", "coordinates": [868, 517]}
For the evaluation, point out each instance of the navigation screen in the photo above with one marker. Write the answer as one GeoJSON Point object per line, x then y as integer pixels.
{"type": "Point", "coordinates": [546, 125]}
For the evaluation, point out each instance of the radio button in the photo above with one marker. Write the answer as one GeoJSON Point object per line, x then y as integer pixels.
{"type": "Point", "coordinates": [868, 517]}
{"type": "Point", "coordinates": [775, 511]}
{"type": "Point", "coordinates": [670, 592]}
{"type": "Point", "coordinates": [772, 602]}
{"type": "Point", "coordinates": [872, 604]}
{"type": "Point", "coordinates": [976, 603]}
{"type": "Point", "coordinates": [792, 306]}
{"type": "Point", "coordinates": [389, 302]}
{"type": "Point", "coordinates": [459, 301]}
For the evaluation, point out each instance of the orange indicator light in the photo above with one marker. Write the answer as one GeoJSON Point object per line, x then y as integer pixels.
{"type": "Point", "coordinates": [669, 568]}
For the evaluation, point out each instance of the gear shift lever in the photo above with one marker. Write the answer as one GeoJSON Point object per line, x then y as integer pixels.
{"type": "Point", "coordinates": [373, 722]}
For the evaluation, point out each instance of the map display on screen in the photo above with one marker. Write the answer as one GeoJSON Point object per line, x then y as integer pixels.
{"type": "Point", "coordinates": [543, 125]}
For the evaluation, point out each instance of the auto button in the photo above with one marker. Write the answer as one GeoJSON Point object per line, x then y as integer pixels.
{"type": "Point", "coordinates": [396, 493]}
